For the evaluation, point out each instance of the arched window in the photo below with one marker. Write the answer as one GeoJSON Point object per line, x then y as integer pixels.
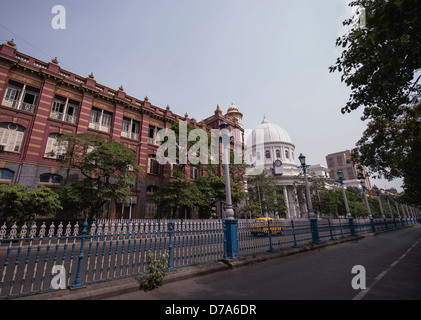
{"type": "Point", "coordinates": [267, 154]}
{"type": "Point", "coordinates": [11, 137]}
{"type": "Point", "coordinates": [278, 153]}
{"type": "Point", "coordinates": [286, 154]}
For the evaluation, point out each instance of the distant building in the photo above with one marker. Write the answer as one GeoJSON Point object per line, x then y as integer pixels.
{"type": "Point", "coordinates": [351, 172]}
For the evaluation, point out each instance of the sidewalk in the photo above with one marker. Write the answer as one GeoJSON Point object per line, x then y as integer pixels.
{"type": "Point", "coordinates": [112, 288]}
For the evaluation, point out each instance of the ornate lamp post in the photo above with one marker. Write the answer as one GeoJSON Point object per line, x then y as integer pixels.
{"type": "Point", "coordinates": [311, 215]}
{"type": "Point", "coordinates": [390, 210]}
{"type": "Point", "coordinates": [348, 213]}
{"type": "Point", "coordinates": [380, 204]}
{"type": "Point", "coordinates": [362, 182]}
{"type": "Point", "coordinates": [230, 224]}
{"type": "Point", "coordinates": [397, 209]}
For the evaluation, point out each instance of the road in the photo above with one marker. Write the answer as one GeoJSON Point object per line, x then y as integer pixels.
{"type": "Point", "coordinates": [391, 260]}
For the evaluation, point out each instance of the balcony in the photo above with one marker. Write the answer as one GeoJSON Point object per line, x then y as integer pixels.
{"type": "Point", "coordinates": [63, 117]}
{"type": "Point", "coordinates": [24, 106]}
{"type": "Point", "coordinates": [130, 135]}
{"type": "Point", "coordinates": [99, 127]}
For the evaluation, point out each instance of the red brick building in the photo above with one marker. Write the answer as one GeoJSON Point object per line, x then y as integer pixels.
{"type": "Point", "coordinates": [40, 100]}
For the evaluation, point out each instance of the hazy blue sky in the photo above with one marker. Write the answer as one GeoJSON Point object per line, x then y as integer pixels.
{"type": "Point", "coordinates": [268, 57]}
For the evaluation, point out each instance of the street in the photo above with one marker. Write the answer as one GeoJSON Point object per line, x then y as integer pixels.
{"type": "Point", "coordinates": [391, 261]}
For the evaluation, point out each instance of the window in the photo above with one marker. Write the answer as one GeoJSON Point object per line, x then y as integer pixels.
{"type": "Point", "coordinates": [267, 154]}
{"type": "Point", "coordinates": [278, 153]}
{"type": "Point", "coordinates": [130, 129]}
{"type": "Point", "coordinates": [151, 209]}
{"type": "Point", "coordinates": [11, 137]}
{"type": "Point", "coordinates": [153, 132]}
{"type": "Point", "coordinates": [64, 109]}
{"type": "Point", "coordinates": [100, 120]}
{"type": "Point", "coordinates": [20, 97]}
{"type": "Point", "coordinates": [193, 172]}
{"type": "Point", "coordinates": [153, 165]}
{"type": "Point", "coordinates": [286, 154]}
{"type": "Point", "coordinates": [52, 149]}
{"type": "Point", "coordinates": [339, 160]}
{"type": "Point", "coordinates": [6, 174]}
{"type": "Point", "coordinates": [150, 190]}
{"type": "Point", "coordinates": [50, 178]}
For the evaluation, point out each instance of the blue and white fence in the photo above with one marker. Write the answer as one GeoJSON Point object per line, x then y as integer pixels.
{"type": "Point", "coordinates": [33, 258]}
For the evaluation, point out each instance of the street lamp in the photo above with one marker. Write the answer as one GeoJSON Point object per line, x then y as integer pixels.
{"type": "Point", "coordinates": [311, 216]}
{"type": "Point", "coordinates": [230, 224]}
{"type": "Point", "coordinates": [304, 167]}
{"type": "Point", "coordinates": [362, 182]}
{"type": "Point", "coordinates": [229, 212]}
{"type": "Point", "coordinates": [341, 180]}
{"type": "Point", "coordinates": [380, 203]}
{"type": "Point", "coordinates": [370, 216]}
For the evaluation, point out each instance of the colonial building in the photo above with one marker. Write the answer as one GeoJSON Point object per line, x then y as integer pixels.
{"type": "Point", "coordinates": [40, 101]}
{"type": "Point", "coordinates": [270, 147]}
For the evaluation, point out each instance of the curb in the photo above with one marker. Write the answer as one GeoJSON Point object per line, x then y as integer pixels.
{"type": "Point", "coordinates": [116, 287]}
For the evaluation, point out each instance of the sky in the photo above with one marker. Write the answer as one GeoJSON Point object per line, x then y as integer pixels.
{"type": "Point", "coordinates": [268, 57]}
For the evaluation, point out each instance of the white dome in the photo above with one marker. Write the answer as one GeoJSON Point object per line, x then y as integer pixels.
{"type": "Point", "coordinates": [272, 132]}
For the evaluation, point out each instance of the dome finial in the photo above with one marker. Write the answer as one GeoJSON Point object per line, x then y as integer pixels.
{"type": "Point", "coordinates": [265, 120]}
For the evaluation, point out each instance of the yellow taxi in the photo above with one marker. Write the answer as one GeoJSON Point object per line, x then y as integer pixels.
{"type": "Point", "coordinates": [261, 226]}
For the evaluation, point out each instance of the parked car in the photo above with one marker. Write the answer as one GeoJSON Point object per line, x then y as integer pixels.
{"type": "Point", "coordinates": [261, 226]}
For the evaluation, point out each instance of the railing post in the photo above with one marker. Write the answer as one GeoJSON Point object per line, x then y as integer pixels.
{"type": "Point", "coordinates": [314, 230]}
{"type": "Point", "coordinates": [351, 226]}
{"type": "Point", "coordinates": [270, 237]}
{"type": "Point", "coordinates": [372, 224]}
{"type": "Point", "coordinates": [170, 231]}
{"type": "Point", "coordinates": [231, 243]}
{"type": "Point", "coordinates": [78, 282]}
{"type": "Point", "coordinates": [293, 232]}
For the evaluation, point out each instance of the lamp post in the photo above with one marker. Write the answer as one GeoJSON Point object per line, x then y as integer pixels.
{"type": "Point", "coordinates": [380, 204]}
{"type": "Point", "coordinates": [390, 210]}
{"type": "Point", "coordinates": [397, 210]}
{"type": "Point", "coordinates": [348, 213]}
{"type": "Point", "coordinates": [370, 216]}
{"type": "Point", "coordinates": [230, 224]}
{"type": "Point", "coordinates": [311, 215]}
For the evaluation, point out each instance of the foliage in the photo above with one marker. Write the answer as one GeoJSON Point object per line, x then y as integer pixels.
{"type": "Point", "coordinates": [157, 270]}
{"type": "Point", "coordinates": [264, 195]}
{"type": "Point", "coordinates": [21, 204]}
{"type": "Point", "coordinates": [380, 63]}
{"type": "Point", "coordinates": [207, 189]}
{"type": "Point", "coordinates": [109, 168]}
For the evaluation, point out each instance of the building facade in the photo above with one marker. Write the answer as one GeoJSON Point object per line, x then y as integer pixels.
{"type": "Point", "coordinates": [270, 147]}
{"type": "Point", "coordinates": [351, 171]}
{"type": "Point", "coordinates": [40, 101]}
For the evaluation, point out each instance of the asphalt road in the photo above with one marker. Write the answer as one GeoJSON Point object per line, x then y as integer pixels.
{"type": "Point", "coordinates": [391, 260]}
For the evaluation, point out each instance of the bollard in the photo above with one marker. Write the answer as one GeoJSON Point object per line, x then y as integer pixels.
{"type": "Point", "coordinates": [230, 239]}
{"type": "Point", "coordinates": [314, 231]}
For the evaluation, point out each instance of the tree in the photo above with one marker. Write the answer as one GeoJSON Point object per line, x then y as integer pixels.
{"type": "Point", "coordinates": [380, 63]}
{"type": "Point", "coordinates": [109, 169]}
{"type": "Point", "coordinates": [22, 204]}
{"type": "Point", "coordinates": [264, 195]}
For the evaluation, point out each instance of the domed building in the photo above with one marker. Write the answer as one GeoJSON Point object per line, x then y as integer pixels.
{"type": "Point", "coordinates": [269, 147]}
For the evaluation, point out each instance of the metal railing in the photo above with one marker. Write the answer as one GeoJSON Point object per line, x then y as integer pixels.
{"type": "Point", "coordinates": [110, 249]}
